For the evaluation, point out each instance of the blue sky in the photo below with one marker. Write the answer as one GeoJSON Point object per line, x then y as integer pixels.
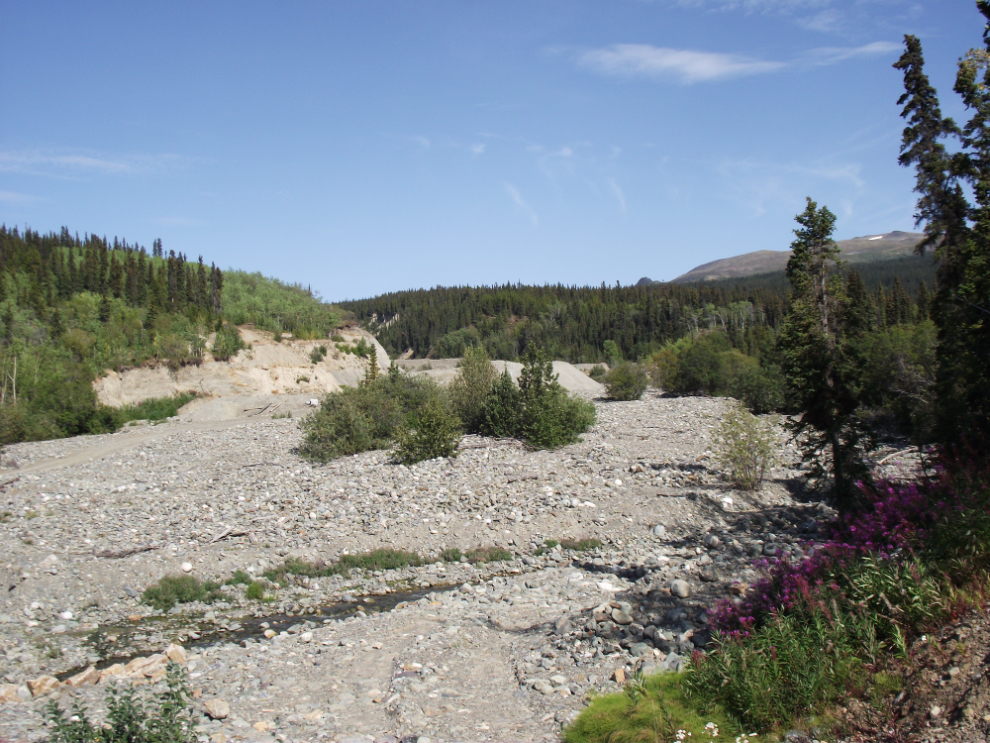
{"type": "Point", "coordinates": [366, 147]}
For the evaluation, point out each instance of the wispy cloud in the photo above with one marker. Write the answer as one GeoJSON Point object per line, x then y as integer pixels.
{"type": "Point", "coordinates": [832, 55]}
{"type": "Point", "coordinates": [686, 65]}
{"type": "Point", "coordinates": [12, 197]}
{"type": "Point", "coordinates": [478, 149]}
{"type": "Point", "coordinates": [618, 194]}
{"type": "Point", "coordinates": [521, 203]}
{"type": "Point", "coordinates": [689, 66]}
{"type": "Point", "coordinates": [68, 164]}
{"type": "Point", "coordinates": [761, 186]}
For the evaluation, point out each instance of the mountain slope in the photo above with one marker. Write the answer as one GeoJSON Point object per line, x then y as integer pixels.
{"type": "Point", "coordinates": [856, 250]}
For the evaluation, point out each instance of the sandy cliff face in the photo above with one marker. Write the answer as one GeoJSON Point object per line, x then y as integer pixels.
{"type": "Point", "coordinates": [267, 372]}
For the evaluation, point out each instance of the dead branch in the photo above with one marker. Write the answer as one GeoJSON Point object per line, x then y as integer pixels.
{"type": "Point", "coordinates": [129, 551]}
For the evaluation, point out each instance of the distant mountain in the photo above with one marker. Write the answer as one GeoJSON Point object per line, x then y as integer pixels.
{"type": "Point", "coordinates": [857, 250]}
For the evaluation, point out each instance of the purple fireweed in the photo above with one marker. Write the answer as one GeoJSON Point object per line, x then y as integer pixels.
{"type": "Point", "coordinates": [900, 521]}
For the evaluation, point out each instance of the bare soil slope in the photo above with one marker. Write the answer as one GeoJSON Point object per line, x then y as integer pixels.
{"type": "Point", "coordinates": [266, 373]}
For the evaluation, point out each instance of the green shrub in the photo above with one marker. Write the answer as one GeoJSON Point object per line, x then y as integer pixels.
{"type": "Point", "coordinates": [501, 411]}
{"type": "Point", "coordinates": [179, 589]}
{"type": "Point", "coordinates": [363, 418]}
{"type": "Point", "coordinates": [627, 381]}
{"type": "Point", "coordinates": [598, 372]}
{"type": "Point", "coordinates": [255, 591]}
{"type": "Point", "coordinates": [226, 343]}
{"type": "Point", "coordinates": [786, 668]}
{"type": "Point", "coordinates": [153, 409]}
{"type": "Point", "coordinates": [339, 428]}
{"type": "Point", "coordinates": [762, 389]}
{"type": "Point", "coordinates": [745, 446]}
{"type": "Point", "coordinates": [337, 338]}
{"type": "Point", "coordinates": [456, 343]}
{"type": "Point", "coordinates": [432, 431]}
{"type": "Point", "coordinates": [318, 354]}
{"type": "Point", "coordinates": [470, 389]}
{"type": "Point", "coordinates": [548, 417]}
{"type": "Point", "coordinates": [165, 718]}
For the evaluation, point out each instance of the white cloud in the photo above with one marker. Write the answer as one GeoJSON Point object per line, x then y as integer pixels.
{"type": "Point", "coordinates": [39, 162]}
{"type": "Point", "coordinates": [686, 65]}
{"type": "Point", "coordinates": [832, 55]}
{"type": "Point", "coordinates": [755, 6]}
{"type": "Point", "coordinates": [478, 149]}
{"type": "Point", "coordinates": [827, 20]}
{"type": "Point", "coordinates": [618, 194]}
{"type": "Point", "coordinates": [692, 66]}
{"type": "Point", "coordinates": [521, 204]}
{"type": "Point", "coordinates": [12, 197]}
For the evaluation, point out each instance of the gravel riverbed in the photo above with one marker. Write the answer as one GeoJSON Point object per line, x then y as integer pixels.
{"type": "Point", "coordinates": [496, 651]}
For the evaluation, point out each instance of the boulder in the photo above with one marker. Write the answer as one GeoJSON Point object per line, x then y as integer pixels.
{"type": "Point", "coordinates": [84, 678]}
{"type": "Point", "coordinates": [216, 709]}
{"type": "Point", "coordinates": [43, 685]}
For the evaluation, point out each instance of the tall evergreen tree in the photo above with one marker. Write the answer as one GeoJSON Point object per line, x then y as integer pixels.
{"type": "Point", "coordinates": [819, 361]}
{"type": "Point", "coordinates": [959, 231]}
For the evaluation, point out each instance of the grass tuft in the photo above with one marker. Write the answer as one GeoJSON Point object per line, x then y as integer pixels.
{"type": "Point", "coordinates": [180, 589]}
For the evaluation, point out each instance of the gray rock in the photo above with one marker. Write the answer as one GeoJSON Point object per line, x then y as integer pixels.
{"type": "Point", "coordinates": [621, 617]}
{"type": "Point", "coordinates": [659, 530]}
{"type": "Point", "coordinates": [639, 649]}
{"type": "Point", "coordinates": [681, 589]}
{"type": "Point", "coordinates": [770, 550]}
{"type": "Point", "coordinates": [712, 541]}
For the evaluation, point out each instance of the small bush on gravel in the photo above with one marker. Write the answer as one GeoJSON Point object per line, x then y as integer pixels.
{"type": "Point", "coordinates": [470, 388]}
{"type": "Point", "coordinates": [255, 591]}
{"type": "Point", "coordinates": [548, 417]}
{"type": "Point", "coordinates": [431, 431]}
{"type": "Point", "coordinates": [180, 589]}
{"type": "Point", "coordinates": [363, 418]}
{"type": "Point", "coordinates": [501, 410]}
{"type": "Point", "coordinates": [165, 718]}
{"type": "Point", "coordinates": [746, 447]}
{"type": "Point", "coordinates": [627, 381]}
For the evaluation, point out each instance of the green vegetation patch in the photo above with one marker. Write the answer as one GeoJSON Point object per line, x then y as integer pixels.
{"type": "Point", "coordinates": [627, 381]}
{"type": "Point", "coordinates": [477, 555]}
{"type": "Point", "coordinates": [573, 545]}
{"type": "Point", "coordinates": [153, 409]}
{"type": "Point", "coordinates": [180, 589]}
{"type": "Point", "coordinates": [165, 717]}
{"type": "Point", "coordinates": [651, 709]}
{"type": "Point", "coordinates": [380, 559]}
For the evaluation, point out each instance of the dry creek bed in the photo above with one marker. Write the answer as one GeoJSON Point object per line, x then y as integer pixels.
{"type": "Point", "coordinates": [498, 651]}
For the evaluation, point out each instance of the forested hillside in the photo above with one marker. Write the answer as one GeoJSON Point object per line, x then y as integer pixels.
{"type": "Point", "coordinates": [71, 308]}
{"type": "Point", "coordinates": [573, 323]}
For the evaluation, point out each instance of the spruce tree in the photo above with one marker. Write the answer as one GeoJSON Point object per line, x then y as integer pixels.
{"type": "Point", "coordinates": [958, 231]}
{"type": "Point", "coordinates": [820, 361]}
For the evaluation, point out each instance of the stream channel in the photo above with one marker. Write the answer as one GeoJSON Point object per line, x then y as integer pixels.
{"type": "Point", "coordinates": [123, 642]}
